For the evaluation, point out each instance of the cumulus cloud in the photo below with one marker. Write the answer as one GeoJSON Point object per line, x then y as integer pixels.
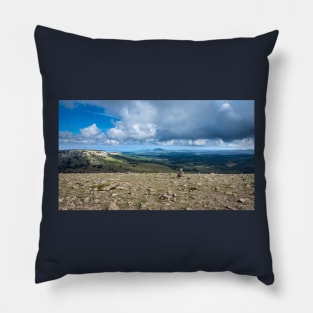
{"type": "Point", "coordinates": [200, 123]}
{"type": "Point", "coordinates": [90, 131]}
{"type": "Point", "coordinates": [184, 119]}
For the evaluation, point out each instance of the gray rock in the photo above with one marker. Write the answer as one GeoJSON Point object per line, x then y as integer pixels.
{"type": "Point", "coordinates": [113, 206]}
{"type": "Point", "coordinates": [142, 206]}
{"type": "Point", "coordinates": [164, 197]}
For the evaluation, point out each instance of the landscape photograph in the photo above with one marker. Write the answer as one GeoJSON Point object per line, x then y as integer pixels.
{"type": "Point", "coordinates": [156, 155]}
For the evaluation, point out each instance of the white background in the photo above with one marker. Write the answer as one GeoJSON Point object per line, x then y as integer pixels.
{"type": "Point", "coordinates": [288, 156]}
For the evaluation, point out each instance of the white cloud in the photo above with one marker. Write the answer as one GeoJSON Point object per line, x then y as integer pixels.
{"type": "Point", "coordinates": [200, 142]}
{"type": "Point", "coordinates": [110, 142]}
{"type": "Point", "coordinates": [90, 131]}
{"type": "Point", "coordinates": [136, 122]}
{"type": "Point", "coordinates": [225, 107]}
{"type": "Point", "coordinates": [132, 130]}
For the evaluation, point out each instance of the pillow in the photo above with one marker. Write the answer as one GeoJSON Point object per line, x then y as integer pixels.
{"type": "Point", "coordinates": [154, 155]}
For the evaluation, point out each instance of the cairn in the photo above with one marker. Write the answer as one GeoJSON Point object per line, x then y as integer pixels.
{"type": "Point", "coordinates": [180, 173]}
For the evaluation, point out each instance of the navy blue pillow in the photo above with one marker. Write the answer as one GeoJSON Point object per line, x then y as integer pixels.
{"type": "Point", "coordinates": [154, 155]}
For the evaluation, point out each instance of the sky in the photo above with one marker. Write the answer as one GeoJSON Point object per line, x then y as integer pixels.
{"type": "Point", "coordinates": [126, 125]}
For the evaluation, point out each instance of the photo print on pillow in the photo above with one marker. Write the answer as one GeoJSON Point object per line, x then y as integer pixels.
{"type": "Point", "coordinates": [156, 155]}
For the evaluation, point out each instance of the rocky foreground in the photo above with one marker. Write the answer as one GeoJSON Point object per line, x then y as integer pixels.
{"type": "Point", "coordinates": [156, 191]}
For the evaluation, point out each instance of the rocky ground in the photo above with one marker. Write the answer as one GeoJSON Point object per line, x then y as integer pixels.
{"type": "Point", "coordinates": [156, 191]}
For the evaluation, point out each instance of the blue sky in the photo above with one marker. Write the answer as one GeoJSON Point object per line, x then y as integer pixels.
{"type": "Point", "coordinates": [81, 115]}
{"type": "Point", "coordinates": [125, 125]}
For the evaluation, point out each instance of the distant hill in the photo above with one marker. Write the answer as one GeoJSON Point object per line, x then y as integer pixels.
{"type": "Point", "coordinates": [156, 161]}
{"type": "Point", "coordinates": [93, 161]}
{"type": "Point", "coordinates": [158, 149]}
